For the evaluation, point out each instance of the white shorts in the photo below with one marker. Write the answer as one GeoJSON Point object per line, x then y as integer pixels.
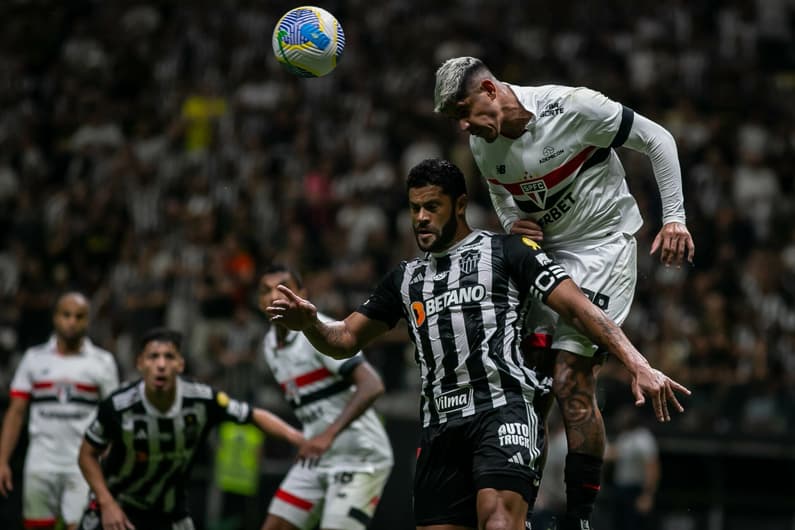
{"type": "Point", "coordinates": [339, 500]}
{"type": "Point", "coordinates": [47, 495]}
{"type": "Point", "coordinates": [607, 274]}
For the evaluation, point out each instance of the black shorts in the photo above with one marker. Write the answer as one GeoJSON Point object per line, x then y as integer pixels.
{"type": "Point", "coordinates": [499, 448]}
{"type": "Point", "coordinates": [92, 519]}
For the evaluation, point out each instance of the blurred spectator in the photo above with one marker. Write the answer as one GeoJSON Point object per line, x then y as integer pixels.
{"type": "Point", "coordinates": [636, 471]}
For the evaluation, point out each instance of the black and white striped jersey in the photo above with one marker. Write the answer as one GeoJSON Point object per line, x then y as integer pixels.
{"type": "Point", "coordinates": [152, 452]}
{"type": "Point", "coordinates": [465, 310]}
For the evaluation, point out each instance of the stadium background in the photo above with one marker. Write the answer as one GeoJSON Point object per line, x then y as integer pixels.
{"type": "Point", "coordinates": [154, 155]}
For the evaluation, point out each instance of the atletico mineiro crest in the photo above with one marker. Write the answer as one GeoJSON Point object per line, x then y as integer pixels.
{"type": "Point", "coordinates": [469, 261]}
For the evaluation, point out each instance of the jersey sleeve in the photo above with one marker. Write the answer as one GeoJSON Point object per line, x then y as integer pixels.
{"type": "Point", "coordinates": [601, 121]}
{"type": "Point", "coordinates": [385, 303]}
{"type": "Point", "coordinates": [22, 383]}
{"type": "Point", "coordinates": [223, 408]}
{"type": "Point", "coordinates": [530, 267]}
{"type": "Point", "coordinates": [109, 377]}
{"type": "Point", "coordinates": [103, 429]}
{"type": "Point", "coordinates": [342, 367]}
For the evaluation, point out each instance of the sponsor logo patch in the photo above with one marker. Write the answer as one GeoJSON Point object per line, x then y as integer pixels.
{"type": "Point", "coordinates": [454, 399]}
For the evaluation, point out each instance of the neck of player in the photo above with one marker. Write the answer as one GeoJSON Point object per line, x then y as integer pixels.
{"type": "Point", "coordinates": [163, 399]}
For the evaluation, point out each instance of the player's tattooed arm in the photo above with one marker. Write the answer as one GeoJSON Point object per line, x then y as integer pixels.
{"type": "Point", "coordinates": [339, 339]}
{"type": "Point", "coordinates": [574, 306]}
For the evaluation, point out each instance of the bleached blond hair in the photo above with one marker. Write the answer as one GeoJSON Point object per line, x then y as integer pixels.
{"type": "Point", "coordinates": [454, 79]}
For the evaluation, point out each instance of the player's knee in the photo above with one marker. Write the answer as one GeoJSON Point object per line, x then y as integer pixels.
{"type": "Point", "coordinates": [573, 375]}
{"type": "Point", "coordinates": [500, 520]}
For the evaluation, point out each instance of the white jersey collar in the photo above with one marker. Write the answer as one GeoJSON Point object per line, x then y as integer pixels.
{"type": "Point", "coordinates": [450, 250]}
{"type": "Point", "coordinates": [85, 346]}
{"type": "Point", "coordinates": [527, 99]}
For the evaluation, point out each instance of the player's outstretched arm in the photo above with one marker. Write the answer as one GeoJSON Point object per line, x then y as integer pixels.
{"type": "Point", "coordinates": [12, 426]}
{"type": "Point", "coordinates": [340, 339]}
{"type": "Point", "coordinates": [271, 424]}
{"type": "Point", "coordinates": [113, 517]}
{"type": "Point", "coordinates": [368, 388]}
{"type": "Point", "coordinates": [569, 302]}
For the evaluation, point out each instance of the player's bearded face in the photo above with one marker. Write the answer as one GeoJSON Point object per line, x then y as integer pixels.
{"type": "Point", "coordinates": [71, 320]}
{"type": "Point", "coordinates": [433, 218]}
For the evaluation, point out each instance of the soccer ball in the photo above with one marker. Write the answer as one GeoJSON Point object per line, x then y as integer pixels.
{"type": "Point", "coordinates": [308, 41]}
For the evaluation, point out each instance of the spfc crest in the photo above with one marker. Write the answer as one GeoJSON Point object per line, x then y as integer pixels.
{"type": "Point", "coordinates": [536, 191]}
{"type": "Point", "coordinates": [64, 391]}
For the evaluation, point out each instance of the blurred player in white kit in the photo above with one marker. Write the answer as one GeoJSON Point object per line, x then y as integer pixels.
{"type": "Point", "coordinates": [61, 381]}
{"type": "Point", "coordinates": [346, 459]}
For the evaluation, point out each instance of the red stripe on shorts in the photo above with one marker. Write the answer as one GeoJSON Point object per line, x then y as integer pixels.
{"type": "Point", "coordinates": [38, 523]}
{"type": "Point", "coordinates": [19, 394]}
{"type": "Point", "coordinates": [292, 499]}
{"type": "Point", "coordinates": [539, 340]}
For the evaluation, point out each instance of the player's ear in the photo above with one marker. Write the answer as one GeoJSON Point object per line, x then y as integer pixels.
{"type": "Point", "coordinates": [461, 205]}
{"type": "Point", "coordinates": [488, 86]}
{"type": "Point", "coordinates": [181, 364]}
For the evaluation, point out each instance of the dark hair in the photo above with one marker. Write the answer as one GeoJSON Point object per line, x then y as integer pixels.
{"type": "Point", "coordinates": [161, 335]}
{"type": "Point", "coordinates": [438, 172]}
{"type": "Point", "coordinates": [274, 268]}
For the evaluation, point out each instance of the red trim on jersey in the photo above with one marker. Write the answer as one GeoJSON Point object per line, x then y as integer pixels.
{"type": "Point", "coordinates": [19, 394]}
{"type": "Point", "coordinates": [553, 178]}
{"type": "Point", "coordinates": [595, 487]}
{"type": "Point", "coordinates": [38, 523]}
{"type": "Point", "coordinates": [310, 377]}
{"type": "Point", "coordinates": [86, 387]}
{"type": "Point", "coordinates": [83, 387]}
{"type": "Point", "coordinates": [292, 499]}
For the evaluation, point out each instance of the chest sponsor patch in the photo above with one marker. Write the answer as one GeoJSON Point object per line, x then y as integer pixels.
{"type": "Point", "coordinates": [454, 399]}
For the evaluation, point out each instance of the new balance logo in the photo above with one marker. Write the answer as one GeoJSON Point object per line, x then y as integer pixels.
{"type": "Point", "coordinates": [517, 459]}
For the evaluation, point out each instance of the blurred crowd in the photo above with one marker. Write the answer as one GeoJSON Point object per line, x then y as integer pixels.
{"type": "Point", "coordinates": [155, 156]}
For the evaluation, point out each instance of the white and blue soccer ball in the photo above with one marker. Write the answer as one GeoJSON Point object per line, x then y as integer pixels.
{"type": "Point", "coordinates": [308, 41]}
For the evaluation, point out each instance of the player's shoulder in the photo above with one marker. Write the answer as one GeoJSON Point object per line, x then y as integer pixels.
{"type": "Point", "coordinates": [585, 99]}
{"type": "Point", "coordinates": [99, 354]}
{"type": "Point", "coordinates": [39, 350]}
{"type": "Point", "coordinates": [126, 396]}
{"type": "Point", "coordinates": [514, 243]}
{"type": "Point", "coordinates": [196, 390]}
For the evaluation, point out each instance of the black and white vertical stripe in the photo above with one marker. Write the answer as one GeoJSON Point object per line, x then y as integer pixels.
{"type": "Point", "coordinates": [150, 455]}
{"type": "Point", "coordinates": [472, 344]}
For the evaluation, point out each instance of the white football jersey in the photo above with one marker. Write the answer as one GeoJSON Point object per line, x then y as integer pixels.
{"type": "Point", "coordinates": [64, 391]}
{"type": "Point", "coordinates": [318, 389]}
{"type": "Point", "coordinates": [563, 172]}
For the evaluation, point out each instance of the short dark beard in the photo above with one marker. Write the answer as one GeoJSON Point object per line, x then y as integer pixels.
{"type": "Point", "coordinates": [446, 237]}
{"type": "Point", "coordinates": [72, 344]}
